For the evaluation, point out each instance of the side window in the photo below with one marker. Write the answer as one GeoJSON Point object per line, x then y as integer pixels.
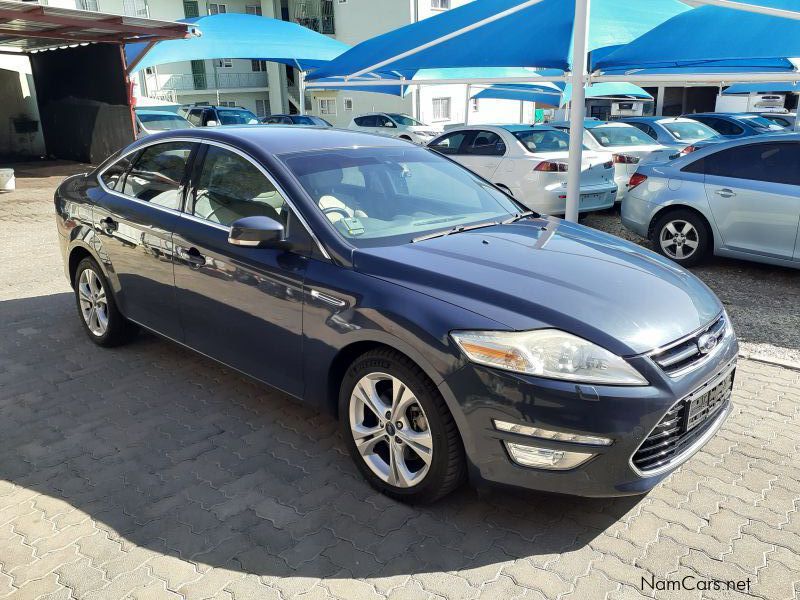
{"type": "Point", "coordinates": [384, 121]}
{"type": "Point", "coordinates": [112, 177]}
{"type": "Point", "coordinates": [157, 174]}
{"type": "Point", "coordinates": [771, 162]}
{"type": "Point", "coordinates": [449, 144]}
{"type": "Point", "coordinates": [367, 121]}
{"type": "Point", "coordinates": [486, 143]}
{"type": "Point", "coordinates": [195, 117]}
{"type": "Point", "coordinates": [230, 187]}
{"type": "Point", "coordinates": [725, 127]}
{"type": "Point", "coordinates": [645, 128]}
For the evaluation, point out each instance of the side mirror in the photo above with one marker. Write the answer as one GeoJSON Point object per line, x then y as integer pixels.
{"type": "Point", "coordinates": [211, 123]}
{"type": "Point", "coordinates": [256, 232]}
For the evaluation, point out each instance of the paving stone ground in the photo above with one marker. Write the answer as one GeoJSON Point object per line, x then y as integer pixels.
{"type": "Point", "coordinates": [151, 472]}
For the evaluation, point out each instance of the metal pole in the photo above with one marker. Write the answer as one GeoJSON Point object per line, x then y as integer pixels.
{"type": "Point", "coordinates": [796, 120]}
{"type": "Point", "coordinates": [579, 79]}
{"type": "Point", "coordinates": [534, 113]}
{"type": "Point", "coordinates": [301, 90]}
{"type": "Point", "coordinates": [466, 106]}
{"type": "Point", "coordinates": [521, 112]}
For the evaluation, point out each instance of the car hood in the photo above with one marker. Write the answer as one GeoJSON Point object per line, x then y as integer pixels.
{"type": "Point", "coordinates": [546, 272]}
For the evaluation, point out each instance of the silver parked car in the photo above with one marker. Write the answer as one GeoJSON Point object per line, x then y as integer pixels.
{"type": "Point", "coordinates": [739, 199]}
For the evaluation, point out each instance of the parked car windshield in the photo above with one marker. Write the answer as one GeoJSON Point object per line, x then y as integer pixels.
{"type": "Point", "coordinates": [389, 196]}
{"type": "Point", "coordinates": [543, 140]}
{"type": "Point", "coordinates": [403, 119]}
{"type": "Point", "coordinates": [611, 136]}
{"type": "Point", "coordinates": [690, 131]}
{"type": "Point", "coordinates": [236, 116]}
{"type": "Point", "coordinates": [153, 122]}
{"type": "Point", "coordinates": [761, 123]}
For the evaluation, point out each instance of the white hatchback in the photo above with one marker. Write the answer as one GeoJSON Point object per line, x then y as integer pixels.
{"type": "Point", "coordinates": [628, 145]}
{"type": "Point", "coordinates": [395, 125]}
{"type": "Point", "coordinates": [530, 162]}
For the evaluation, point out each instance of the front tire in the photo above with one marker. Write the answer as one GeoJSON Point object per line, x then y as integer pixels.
{"type": "Point", "coordinates": [399, 430]}
{"type": "Point", "coordinates": [101, 319]}
{"type": "Point", "coordinates": [682, 236]}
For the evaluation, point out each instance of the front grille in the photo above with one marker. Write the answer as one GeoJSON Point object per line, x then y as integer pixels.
{"type": "Point", "coordinates": [683, 425]}
{"type": "Point", "coordinates": [687, 353]}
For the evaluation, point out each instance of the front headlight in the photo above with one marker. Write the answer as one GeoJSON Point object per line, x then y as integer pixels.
{"type": "Point", "coordinates": [547, 353]}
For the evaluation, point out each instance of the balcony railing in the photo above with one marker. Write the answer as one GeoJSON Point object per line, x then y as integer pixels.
{"type": "Point", "coordinates": [206, 81]}
{"type": "Point", "coordinates": [315, 14]}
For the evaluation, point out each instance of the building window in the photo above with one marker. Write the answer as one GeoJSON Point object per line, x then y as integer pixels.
{"type": "Point", "coordinates": [348, 104]}
{"type": "Point", "coordinates": [135, 8]}
{"type": "Point", "coordinates": [191, 9]}
{"type": "Point", "coordinates": [327, 106]}
{"type": "Point", "coordinates": [262, 107]}
{"type": "Point", "coordinates": [225, 63]}
{"type": "Point", "coordinates": [441, 109]}
{"type": "Point", "coordinates": [258, 65]}
{"type": "Point", "coordinates": [88, 5]}
{"type": "Point", "coordinates": [474, 103]}
{"type": "Point", "coordinates": [217, 9]}
{"type": "Point", "coordinates": [253, 9]}
{"type": "Point", "coordinates": [440, 4]}
{"type": "Point", "coordinates": [228, 103]}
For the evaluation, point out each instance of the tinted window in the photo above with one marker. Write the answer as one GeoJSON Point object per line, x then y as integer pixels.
{"type": "Point", "coordinates": [195, 116]}
{"type": "Point", "coordinates": [773, 162]}
{"type": "Point", "coordinates": [779, 121]}
{"type": "Point", "coordinates": [645, 128]}
{"type": "Point", "coordinates": [761, 123]}
{"type": "Point", "coordinates": [158, 172]}
{"type": "Point", "coordinates": [368, 121]}
{"type": "Point", "coordinates": [113, 176]}
{"type": "Point", "coordinates": [449, 144]}
{"type": "Point", "coordinates": [486, 143]}
{"type": "Point", "coordinates": [235, 116]}
{"type": "Point", "coordinates": [384, 121]}
{"type": "Point", "coordinates": [722, 126]}
{"type": "Point", "coordinates": [230, 187]}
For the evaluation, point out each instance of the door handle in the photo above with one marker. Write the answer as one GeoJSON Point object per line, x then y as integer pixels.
{"type": "Point", "coordinates": [108, 225]}
{"type": "Point", "coordinates": [725, 193]}
{"type": "Point", "coordinates": [192, 256]}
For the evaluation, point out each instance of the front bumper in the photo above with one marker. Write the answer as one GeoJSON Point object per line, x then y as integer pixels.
{"type": "Point", "coordinates": [626, 415]}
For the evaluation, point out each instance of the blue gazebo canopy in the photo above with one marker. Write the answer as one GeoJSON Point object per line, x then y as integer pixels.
{"type": "Point", "coordinates": [711, 39]}
{"type": "Point", "coordinates": [764, 87]}
{"type": "Point", "coordinates": [242, 36]}
{"type": "Point", "coordinates": [546, 96]}
{"type": "Point", "coordinates": [538, 35]}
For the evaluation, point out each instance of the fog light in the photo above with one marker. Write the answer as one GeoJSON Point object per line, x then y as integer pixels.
{"type": "Point", "coordinates": [546, 458]}
{"type": "Point", "coordinates": [546, 434]}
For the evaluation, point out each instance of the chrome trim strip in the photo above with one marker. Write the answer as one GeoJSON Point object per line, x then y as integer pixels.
{"type": "Point", "coordinates": [199, 140]}
{"type": "Point", "coordinates": [687, 337]}
{"type": "Point", "coordinates": [333, 301]}
{"type": "Point", "coordinates": [699, 442]}
{"type": "Point", "coordinates": [728, 331]}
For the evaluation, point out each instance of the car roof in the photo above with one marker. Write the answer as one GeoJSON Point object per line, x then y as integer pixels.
{"type": "Point", "coordinates": [522, 127]}
{"type": "Point", "coordinates": [286, 139]}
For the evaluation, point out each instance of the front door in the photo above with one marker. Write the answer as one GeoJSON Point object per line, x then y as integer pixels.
{"type": "Point", "coordinates": [242, 306]}
{"type": "Point", "coordinates": [134, 219]}
{"type": "Point", "coordinates": [754, 194]}
{"type": "Point", "coordinates": [482, 153]}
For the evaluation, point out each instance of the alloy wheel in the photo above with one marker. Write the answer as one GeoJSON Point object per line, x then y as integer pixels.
{"type": "Point", "coordinates": [390, 430]}
{"type": "Point", "coordinates": [679, 239]}
{"type": "Point", "coordinates": [94, 306]}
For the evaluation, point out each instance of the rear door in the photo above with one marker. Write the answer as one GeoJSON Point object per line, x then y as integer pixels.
{"type": "Point", "coordinates": [483, 152]}
{"type": "Point", "coordinates": [242, 306]}
{"type": "Point", "coordinates": [754, 194]}
{"type": "Point", "coordinates": [135, 219]}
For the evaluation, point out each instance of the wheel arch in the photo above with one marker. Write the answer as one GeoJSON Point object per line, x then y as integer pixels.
{"type": "Point", "coordinates": [680, 207]}
{"type": "Point", "coordinates": [77, 253]}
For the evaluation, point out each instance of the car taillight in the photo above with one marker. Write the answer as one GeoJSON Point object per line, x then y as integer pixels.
{"type": "Point", "coordinates": [625, 159]}
{"type": "Point", "coordinates": [551, 166]}
{"type": "Point", "coordinates": [636, 179]}
{"type": "Point", "coordinates": [688, 150]}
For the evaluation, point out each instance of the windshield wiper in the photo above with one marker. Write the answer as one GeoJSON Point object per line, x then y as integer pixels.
{"type": "Point", "coordinates": [452, 230]}
{"type": "Point", "coordinates": [519, 217]}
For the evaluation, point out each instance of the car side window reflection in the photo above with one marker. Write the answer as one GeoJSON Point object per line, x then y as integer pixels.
{"type": "Point", "coordinates": [230, 187]}
{"type": "Point", "coordinates": [486, 143]}
{"type": "Point", "coordinates": [449, 144]}
{"type": "Point", "coordinates": [157, 174]}
{"type": "Point", "coordinates": [113, 176]}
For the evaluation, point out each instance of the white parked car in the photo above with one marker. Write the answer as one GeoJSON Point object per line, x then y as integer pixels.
{"type": "Point", "coordinates": [530, 162]}
{"type": "Point", "coordinates": [629, 146]}
{"type": "Point", "coordinates": [395, 125]}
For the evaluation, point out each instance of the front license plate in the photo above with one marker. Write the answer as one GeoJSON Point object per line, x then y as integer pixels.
{"type": "Point", "coordinates": [702, 408]}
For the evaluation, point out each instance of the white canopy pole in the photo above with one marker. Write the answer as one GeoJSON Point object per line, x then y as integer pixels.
{"type": "Point", "coordinates": [466, 106]}
{"type": "Point", "coordinates": [377, 82]}
{"type": "Point", "coordinates": [301, 90]}
{"type": "Point", "coordinates": [444, 38]}
{"type": "Point", "coordinates": [580, 36]}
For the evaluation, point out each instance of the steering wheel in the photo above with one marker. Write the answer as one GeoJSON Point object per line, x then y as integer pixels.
{"type": "Point", "coordinates": [336, 209]}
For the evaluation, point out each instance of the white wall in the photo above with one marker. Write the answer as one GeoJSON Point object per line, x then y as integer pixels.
{"type": "Point", "coordinates": [18, 99]}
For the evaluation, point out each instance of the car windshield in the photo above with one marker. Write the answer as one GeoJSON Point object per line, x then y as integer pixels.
{"type": "Point", "coordinates": [761, 123]}
{"type": "Point", "coordinates": [390, 196]}
{"type": "Point", "coordinates": [403, 119]}
{"type": "Point", "coordinates": [236, 116]}
{"type": "Point", "coordinates": [687, 131]}
{"type": "Point", "coordinates": [610, 136]}
{"type": "Point", "coordinates": [543, 140]}
{"type": "Point", "coordinates": [154, 122]}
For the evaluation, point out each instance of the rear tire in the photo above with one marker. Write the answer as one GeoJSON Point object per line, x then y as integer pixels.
{"type": "Point", "coordinates": [100, 317]}
{"type": "Point", "coordinates": [683, 236]}
{"type": "Point", "coordinates": [399, 430]}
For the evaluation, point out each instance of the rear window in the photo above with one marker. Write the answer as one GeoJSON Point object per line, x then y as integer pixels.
{"type": "Point", "coordinates": [612, 136]}
{"type": "Point", "coordinates": [761, 123]}
{"type": "Point", "coordinates": [547, 140]}
{"type": "Point", "coordinates": [229, 116]}
{"type": "Point", "coordinates": [689, 132]}
{"type": "Point", "coordinates": [162, 122]}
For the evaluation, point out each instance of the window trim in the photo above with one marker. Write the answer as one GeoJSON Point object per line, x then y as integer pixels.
{"type": "Point", "coordinates": [449, 101]}
{"type": "Point", "coordinates": [182, 212]}
{"type": "Point", "coordinates": [326, 100]}
{"type": "Point", "coordinates": [345, 101]}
